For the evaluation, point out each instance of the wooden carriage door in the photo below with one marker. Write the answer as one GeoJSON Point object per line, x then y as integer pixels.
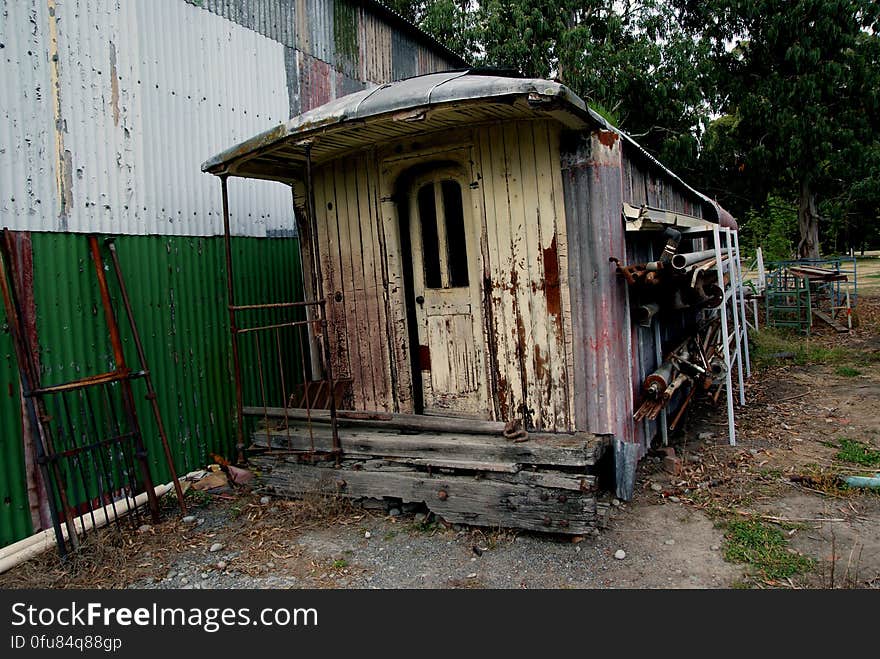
{"type": "Point", "coordinates": [446, 291]}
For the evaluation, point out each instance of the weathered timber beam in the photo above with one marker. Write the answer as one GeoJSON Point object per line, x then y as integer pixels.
{"type": "Point", "coordinates": [562, 450]}
{"type": "Point", "coordinates": [458, 499]}
{"type": "Point", "coordinates": [411, 422]}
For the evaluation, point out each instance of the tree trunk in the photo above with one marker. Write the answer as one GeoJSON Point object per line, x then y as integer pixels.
{"type": "Point", "coordinates": [808, 223]}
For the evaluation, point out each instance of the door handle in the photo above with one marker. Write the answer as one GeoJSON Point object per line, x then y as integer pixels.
{"type": "Point", "coordinates": [420, 299]}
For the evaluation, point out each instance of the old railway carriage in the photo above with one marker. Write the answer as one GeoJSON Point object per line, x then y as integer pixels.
{"type": "Point", "coordinates": [458, 229]}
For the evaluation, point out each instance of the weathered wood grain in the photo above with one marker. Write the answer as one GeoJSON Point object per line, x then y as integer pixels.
{"type": "Point", "coordinates": [459, 499]}
{"type": "Point", "coordinates": [575, 450]}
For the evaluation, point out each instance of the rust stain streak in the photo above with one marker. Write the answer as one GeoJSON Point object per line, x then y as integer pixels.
{"type": "Point", "coordinates": [63, 178]}
{"type": "Point", "coordinates": [114, 85]}
{"type": "Point", "coordinates": [551, 283]}
{"type": "Point", "coordinates": [607, 137]}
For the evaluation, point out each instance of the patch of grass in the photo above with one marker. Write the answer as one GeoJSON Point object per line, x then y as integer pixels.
{"type": "Point", "coordinates": [340, 563]}
{"type": "Point", "coordinates": [783, 346]}
{"type": "Point", "coordinates": [856, 452]}
{"type": "Point", "coordinates": [426, 526]}
{"type": "Point", "coordinates": [764, 547]}
{"type": "Point", "coordinates": [390, 536]}
{"type": "Point", "coordinates": [197, 498]}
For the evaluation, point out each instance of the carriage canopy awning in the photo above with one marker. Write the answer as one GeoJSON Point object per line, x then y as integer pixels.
{"type": "Point", "coordinates": [435, 102]}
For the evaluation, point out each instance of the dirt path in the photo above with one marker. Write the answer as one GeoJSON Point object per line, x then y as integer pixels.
{"type": "Point", "coordinates": [770, 512]}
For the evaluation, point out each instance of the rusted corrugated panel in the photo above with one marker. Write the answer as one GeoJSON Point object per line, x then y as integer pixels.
{"type": "Point", "coordinates": [145, 91]}
{"type": "Point", "coordinates": [349, 238]}
{"type": "Point", "coordinates": [527, 251]}
{"type": "Point", "coordinates": [404, 56]}
{"type": "Point", "coordinates": [591, 178]}
{"type": "Point", "coordinates": [316, 82]}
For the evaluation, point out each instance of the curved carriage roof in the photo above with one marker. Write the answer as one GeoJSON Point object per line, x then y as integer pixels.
{"type": "Point", "coordinates": [428, 103]}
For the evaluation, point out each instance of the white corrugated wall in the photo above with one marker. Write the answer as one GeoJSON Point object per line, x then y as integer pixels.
{"type": "Point", "coordinates": [147, 90]}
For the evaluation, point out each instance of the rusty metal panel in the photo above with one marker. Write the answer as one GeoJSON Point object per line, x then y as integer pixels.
{"type": "Point", "coordinates": [591, 178]}
{"type": "Point", "coordinates": [119, 104]}
{"type": "Point", "coordinates": [404, 56]}
{"type": "Point", "coordinates": [317, 82]}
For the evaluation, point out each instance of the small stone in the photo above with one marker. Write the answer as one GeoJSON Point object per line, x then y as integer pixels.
{"type": "Point", "coordinates": [200, 521]}
{"type": "Point", "coordinates": [473, 559]}
{"type": "Point", "coordinates": [419, 517]}
{"type": "Point", "coordinates": [217, 546]}
{"type": "Point", "coordinates": [472, 575]}
{"type": "Point", "coordinates": [184, 580]}
{"type": "Point", "coordinates": [144, 528]}
{"type": "Point", "coordinates": [656, 487]}
{"type": "Point", "coordinates": [205, 575]}
{"type": "Point", "coordinates": [715, 547]}
{"type": "Point", "coordinates": [596, 532]}
{"type": "Point", "coordinates": [264, 500]}
{"type": "Point", "coordinates": [368, 535]}
{"type": "Point", "coordinates": [669, 542]}
{"type": "Point", "coordinates": [705, 436]}
{"type": "Point", "coordinates": [615, 502]}
{"type": "Point", "coordinates": [674, 499]}
{"type": "Point", "coordinates": [456, 527]}
{"type": "Point", "coordinates": [620, 554]}
{"type": "Point", "coordinates": [221, 565]}
{"type": "Point", "coordinates": [270, 565]}
{"type": "Point", "coordinates": [394, 512]}
{"type": "Point", "coordinates": [577, 550]}
{"type": "Point", "coordinates": [171, 575]}
{"type": "Point", "coordinates": [189, 519]}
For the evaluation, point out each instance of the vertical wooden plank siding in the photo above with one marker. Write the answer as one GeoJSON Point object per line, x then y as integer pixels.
{"type": "Point", "coordinates": [346, 207]}
{"type": "Point", "coordinates": [523, 216]}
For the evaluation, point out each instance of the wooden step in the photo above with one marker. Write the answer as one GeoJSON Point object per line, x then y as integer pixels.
{"type": "Point", "coordinates": [569, 450]}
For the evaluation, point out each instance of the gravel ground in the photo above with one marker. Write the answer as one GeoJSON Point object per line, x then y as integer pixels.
{"type": "Point", "coordinates": [665, 544]}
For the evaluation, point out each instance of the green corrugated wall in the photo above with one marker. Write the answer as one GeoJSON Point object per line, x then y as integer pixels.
{"type": "Point", "coordinates": [178, 290]}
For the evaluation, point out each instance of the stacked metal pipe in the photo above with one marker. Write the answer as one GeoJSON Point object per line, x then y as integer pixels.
{"type": "Point", "coordinates": [695, 365]}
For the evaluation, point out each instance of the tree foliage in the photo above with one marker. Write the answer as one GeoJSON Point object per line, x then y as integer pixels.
{"type": "Point", "coordinates": [747, 98]}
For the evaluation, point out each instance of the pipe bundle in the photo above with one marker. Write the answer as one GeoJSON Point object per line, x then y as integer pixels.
{"type": "Point", "coordinates": [696, 365]}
